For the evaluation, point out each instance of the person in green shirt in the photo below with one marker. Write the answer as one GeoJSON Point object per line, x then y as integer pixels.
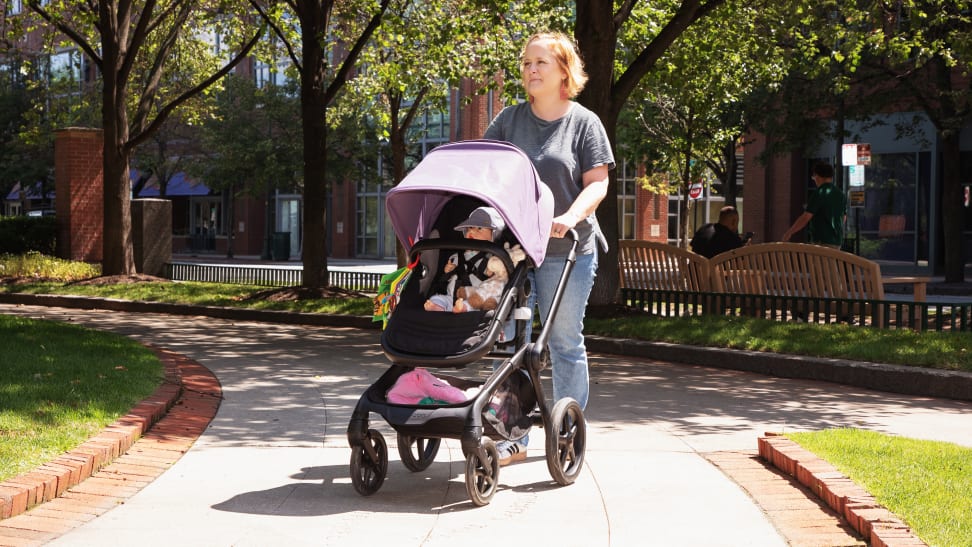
{"type": "Point", "coordinates": [825, 211]}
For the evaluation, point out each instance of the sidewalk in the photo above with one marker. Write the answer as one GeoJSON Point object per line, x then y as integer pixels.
{"type": "Point", "coordinates": [669, 450]}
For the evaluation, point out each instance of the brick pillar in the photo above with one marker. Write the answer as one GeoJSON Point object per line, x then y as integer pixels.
{"type": "Point", "coordinates": [79, 188]}
{"type": "Point", "coordinates": [651, 222]}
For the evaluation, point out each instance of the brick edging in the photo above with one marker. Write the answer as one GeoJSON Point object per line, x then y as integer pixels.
{"type": "Point", "coordinates": [182, 379]}
{"type": "Point", "coordinates": [878, 526]}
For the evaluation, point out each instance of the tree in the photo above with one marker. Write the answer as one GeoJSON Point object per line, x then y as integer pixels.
{"type": "Point", "coordinates": [150, 64]}
{"type": "Point", "coordinates": [311, 32]}
{"type": "Point", "coordinates": [691, 105]}
{"type": "Point", "coordinates": [620, 45]}
{"type": "Point", "coordinates": [927, 49]}
{"type": "Point", "coordinates": [250, 142]}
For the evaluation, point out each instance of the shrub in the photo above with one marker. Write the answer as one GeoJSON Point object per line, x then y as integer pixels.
{"type": "Point", "coordinates": [19, 235]}
{"type": "Point", "coordinates": [37, 265]}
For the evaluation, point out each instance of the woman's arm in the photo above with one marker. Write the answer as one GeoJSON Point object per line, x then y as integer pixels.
{"type": "Point", "coordinates": [595, 189]}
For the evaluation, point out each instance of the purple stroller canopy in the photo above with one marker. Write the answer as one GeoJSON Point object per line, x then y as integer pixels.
{"type": "Point", "coordinates": [498, 173]}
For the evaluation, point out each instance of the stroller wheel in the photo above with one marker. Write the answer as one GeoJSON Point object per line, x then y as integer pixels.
{"type": "Point", "coordinates": [482, 477]}
{"type": "Point", "coordinates": [566, 441]}
{"type": "Point", "coordinates": [417, 452]}
{"type": "Point", "coordinates": [367, 472]}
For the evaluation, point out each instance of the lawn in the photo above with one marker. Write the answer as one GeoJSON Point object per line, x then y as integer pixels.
{"type": "Point", "coordinates": [60, 384]}
{"type": "Point", "coordinates": [924, 483]}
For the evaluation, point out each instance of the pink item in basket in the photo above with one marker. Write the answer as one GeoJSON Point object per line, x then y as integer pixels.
{"type": "Point", "coordinates": [417, 384]}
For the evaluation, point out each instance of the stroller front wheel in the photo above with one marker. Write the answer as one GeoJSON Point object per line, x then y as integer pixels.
{"type": "Point", "coordinates": [417, 453]}
{"type": "Point", "coordinates": [369, 464]}
{"type": "Point", "coordinates": [482, 476]}
{"type": "Point", "coordinates": [566, 441]}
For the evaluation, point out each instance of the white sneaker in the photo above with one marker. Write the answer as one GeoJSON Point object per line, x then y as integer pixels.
{"type": "Point", "coordinates": [510, 452]}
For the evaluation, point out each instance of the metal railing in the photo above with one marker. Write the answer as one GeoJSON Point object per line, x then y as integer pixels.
{"type": "Point", "coordinates": [366, 282]}
{"type": "Point", "coordinates": [890, 314]}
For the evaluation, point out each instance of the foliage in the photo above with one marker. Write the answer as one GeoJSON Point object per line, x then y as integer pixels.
{"type": "Point", "coordinates": [152, 60]}
{"type": "Point", "coordinates": [251, 139]}
{"type": "Point", "coordinates": [925, 483]}
{"type": "Point", "coordinates": [22, 234]}
{"type": "Point", "coordinates": [60, 384]}
{"type": "Point", "coordinates": [40, 266]}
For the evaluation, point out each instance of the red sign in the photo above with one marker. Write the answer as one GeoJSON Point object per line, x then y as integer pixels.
{"type": "Point", "coordinates": [695, 190]}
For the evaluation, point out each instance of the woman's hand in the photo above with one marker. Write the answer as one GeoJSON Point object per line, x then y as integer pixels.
{"type": "Point", "coordinates": [563, 223]}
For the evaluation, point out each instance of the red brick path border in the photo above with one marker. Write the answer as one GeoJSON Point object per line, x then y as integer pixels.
{"type": "Point", "coordinates": [109, 468]}
{"type": "Point", "coordinates": [876, 524]}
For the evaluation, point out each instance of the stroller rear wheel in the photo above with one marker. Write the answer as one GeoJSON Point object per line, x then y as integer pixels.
{"type": "Point", "coordinates": [368, 472]}
{"type": "Point", "coordinates": [566, 441]}
{"type": "Point", "coordinates": [417, 453]}
{"type": "Point", "coordinates": [482, 477]}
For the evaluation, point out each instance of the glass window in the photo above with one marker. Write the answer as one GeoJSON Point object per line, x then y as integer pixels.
{"type": "Point", "coordinates": [64, 66]}
{"type": "Point", "coordinates": [15, 6]}
{"type": "Point", "coordinates": [627, 185]}
{"type": "Point", "coordinates": [888, 220]}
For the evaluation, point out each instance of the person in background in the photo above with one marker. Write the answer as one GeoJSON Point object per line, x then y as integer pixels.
{"type": "Point", "coordinates": [718, 237]}
{"type": "Point", "coordinates": [569, 147]}
{"type": "Point", "coordinates": [825, 211]}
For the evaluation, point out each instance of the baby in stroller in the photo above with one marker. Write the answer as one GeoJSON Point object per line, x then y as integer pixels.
{"type": "Point", "coordinates": [473, 280]}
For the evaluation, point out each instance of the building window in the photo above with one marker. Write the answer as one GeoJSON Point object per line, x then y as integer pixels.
{"type": "Point", "coordinates": [15, 7]}
{"type": "Point", "coordinates": [627, 190]}
{"type": "Point", "coordinates": [64, 66]}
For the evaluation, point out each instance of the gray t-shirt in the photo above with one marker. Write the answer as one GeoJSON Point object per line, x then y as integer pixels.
{"type": "Point", "coordinates": [561, 151]}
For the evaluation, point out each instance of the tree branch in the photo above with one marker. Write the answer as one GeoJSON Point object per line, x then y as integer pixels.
{"type": "Point", "coordinates": [165, 111]}
{"type": "Point", "coordinates": [71, 33]}
{"type": "Point", "coordinates": [342, 74]}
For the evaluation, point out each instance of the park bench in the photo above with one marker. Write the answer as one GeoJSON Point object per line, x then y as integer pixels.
{"type": "Point", "coordinates": [770, 279]}
{"type": "Point", "coordinates": [801, 279]}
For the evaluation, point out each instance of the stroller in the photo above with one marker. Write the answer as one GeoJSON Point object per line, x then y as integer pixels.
{"type": "Point", "coordinates": [424, 208]}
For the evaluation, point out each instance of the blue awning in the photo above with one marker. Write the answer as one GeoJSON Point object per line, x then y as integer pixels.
{"type": "Point", "coordinates": [179, 185]}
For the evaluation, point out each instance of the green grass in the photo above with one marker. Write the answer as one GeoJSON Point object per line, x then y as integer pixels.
{"type": "Point", "coordinates": [60, 384]}
{"type": "Point", "coordinates": [198, 294]}
{"type": "Point", "coordinates": [925, 483]}
{"type": "Point", "coordinates": [941, 350]}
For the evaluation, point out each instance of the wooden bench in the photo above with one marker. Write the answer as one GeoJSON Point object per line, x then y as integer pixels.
{"type": "Point", "coordinates": [663, 278]}
{"type": "Point", "coordinates": [648, 265]}
{"type": "Point", "coordinates": [799, 270]}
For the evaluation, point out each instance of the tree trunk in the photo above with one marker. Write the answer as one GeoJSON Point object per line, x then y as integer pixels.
{"type": "Point", "coordinates": [118, 257]}
{"type": "Point", "coordinates": [596, 38]}
{"type": "Point", "coordinates": [596, 32]}
{"type": "Point", "coordinates": [314, 111]}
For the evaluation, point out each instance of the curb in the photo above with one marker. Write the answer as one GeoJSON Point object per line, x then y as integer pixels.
{"type": "Point", "coordinates": [878, 526]}
{"type": "Point", "coordinates": [112, 466]}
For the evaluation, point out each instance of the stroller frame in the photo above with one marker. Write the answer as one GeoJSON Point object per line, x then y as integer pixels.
{"type": "Point", "coordinates": [420, 428]}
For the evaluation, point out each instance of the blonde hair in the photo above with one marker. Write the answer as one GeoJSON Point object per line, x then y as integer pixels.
{"type": "Point", "coordinates": [565, 52]}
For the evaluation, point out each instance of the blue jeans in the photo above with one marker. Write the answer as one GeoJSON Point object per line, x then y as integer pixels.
{"type": "Point", "coordinates": [568, 354]}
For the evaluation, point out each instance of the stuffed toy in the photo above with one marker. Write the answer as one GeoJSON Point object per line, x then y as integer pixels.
{"type": "Point", "coordinates": [484, 296]}
{"type": "Point", "coordinates": [420, 386]}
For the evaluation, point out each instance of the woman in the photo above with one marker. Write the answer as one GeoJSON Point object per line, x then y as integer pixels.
{"type": "Point", "coordinates": [572, 154]}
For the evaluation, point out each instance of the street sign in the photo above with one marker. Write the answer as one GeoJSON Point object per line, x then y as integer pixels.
{"type": "Point", "coordinates": [856, 198]}
{"type": "Point", "coordinates": [856, 175]}
{"type": "Point", "coordinates": [848, 154]}
{"type": "Point", "coordinates": [863, 154]}
{"type": "Point", "coordinates": [695, 190]}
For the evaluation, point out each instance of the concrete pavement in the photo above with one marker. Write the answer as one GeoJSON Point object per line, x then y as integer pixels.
{"type": "Point", "coordinates": [272, 467]}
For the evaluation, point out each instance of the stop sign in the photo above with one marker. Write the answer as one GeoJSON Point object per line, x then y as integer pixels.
{"type": "Point", "coordinates": [695, 190]}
